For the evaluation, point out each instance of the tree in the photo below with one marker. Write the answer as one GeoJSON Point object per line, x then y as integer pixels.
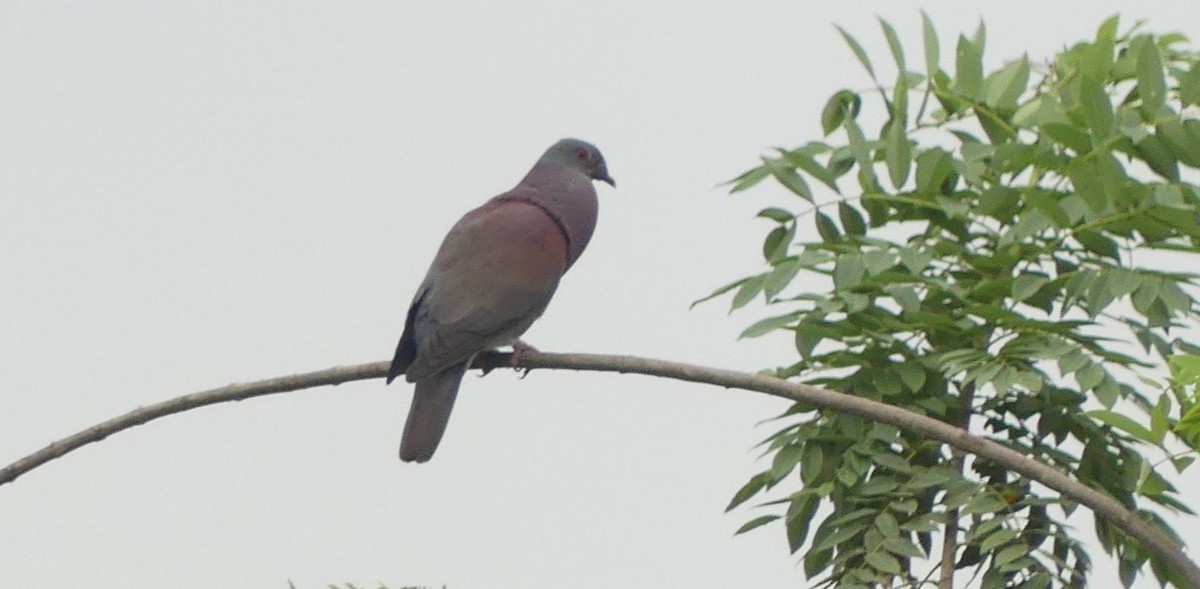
{"type": "Point", "coordinates": [997, 231]}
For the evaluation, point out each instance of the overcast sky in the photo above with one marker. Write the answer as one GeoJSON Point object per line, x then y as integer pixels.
{"type": "Point", "coordinates": [193, 194]}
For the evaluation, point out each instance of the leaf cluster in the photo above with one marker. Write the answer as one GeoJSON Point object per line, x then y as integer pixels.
{"type": "Point", "coordinates": [1009, 251]}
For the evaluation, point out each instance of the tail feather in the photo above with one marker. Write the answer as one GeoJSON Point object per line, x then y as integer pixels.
{"type": "Point", "coordinates": [433, 400]}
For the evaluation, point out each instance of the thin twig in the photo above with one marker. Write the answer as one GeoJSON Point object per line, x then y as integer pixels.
{"type": "Point", "coordinates": [950, 534]}
{"type": "Point", "coordinates": [1103, 505]}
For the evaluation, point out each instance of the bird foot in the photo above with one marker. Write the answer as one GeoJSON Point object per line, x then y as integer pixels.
{"type": "Point", "coordinates": [519, 347]}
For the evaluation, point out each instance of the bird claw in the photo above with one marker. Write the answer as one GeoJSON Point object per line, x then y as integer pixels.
{"type": "Point", "coordinates": [519, 347]}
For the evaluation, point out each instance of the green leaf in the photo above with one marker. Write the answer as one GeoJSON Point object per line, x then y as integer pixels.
{"type": "Point", "coordinates": [1108, 28]}
{"type": "Point", "coordinates": [933, 167]}
{"type": "Point", "coordinates": [1152, 86]}
{"type": "Point", "coordinates": [842, 105]}
{"type": "Point", "coordinates": [887, 525]}
{"type": "Point", "coordinates": [980, 36]}
{"type": "Point", "coordinates": [931, 45]}
{"type": "Point", "coordinates": [807, 340]}
{"type": "Point", "coordinates": [812, 168]}
{"type": "Point", "coordinates": [1026, 284]}
{"type": "Point", "coordinates": [891, 461]}
{"type": "Point", "coordinates": [878, 485]}
{"type": "Point", "coordinates": [1114, 181]}
{"type": "Point", "coordinates": [748, 179]}
{"type": "Point", "coordinates": [1128, 124]}
{"type": "Point", "coordinates": [841, 534]}
{"type": "Point", "coordinates": [755, 523]}
{"type": "Point", "coordinates": [997, 128]}
{"type": "Point", "coordinates": [1000, 202]}
{"type": "Point", "coordinates": [1174, 297]}
{"type": "Point", "coordinates": [768, 325]}
{"type": "Point", "coordinates": [841, 161]}
{"type": "Point", "coordinates": [922, 523]}
{"type": "Point", "coordinates": [857, 515]}
{"type": "Point", "coordinates": [1188, 427]}
{"type": "Point", "coordinates": [1159, 157]}
{"type": "Point", "coordinates": [1099, 296]}
{"type": "Point", "coordinates": [858, 52]}
{"type": "Point", "coordinates": [1006, 86]}
{"type": "Point", "coordinates": [1189, 85]}
{"type": "Point", "coordinates": [1160, 419]}
{"type": "Point", "coordinates": [720, 291]}
{"type": "Point", "coordinates": [906, 297]}
{"type": "Point", "coordinates": [1097, 60]}
{"type": "Point", "coordinates": [862, 156]}
{"type": "Point", "coordinates": [984, 503]}
{"type": "Point", "coordinates": [1123, 423]}
{"type": "Point", "coordinates": [1107, 392]}
{"type": "Point", "coordinates": [816, 561]}
{"type": "Point", "coordinates": [776, 244]}
{"type": "Point", "coordinates": [1185, 369]}
{"type": "Point", "coordinates": [780, 277]}
{"type": "Point", "coordinates": [788, 178]}
{"type": "Point", "coordinates": [1181, 463]}
{"type": "Point", "coordinates": [1184, 144]}
{"type": "Point", "coordinates": [1068, 135]}
{"type": "Point", "coordinates": [799, 516]}
{"type": "Point", "coordinates": [750, 489]}
{"type": "Point", "coordinates": [968, 68]}
{"type": "Point", "coordinates": [893, 42]}
{"type": "Point", "coordinates": [916, 260]}
{"type": "Point", "coordinates": [786, 459]}
{"type": "Point", "coordinates": [899, 154]}
{"type": "Point", "coordinates": [1089, 376]}
{"type": "Point", "coordinates": [851, 219]}
{"type": "Point", "coordinates": [827, 229]}
{"type": "Point", "coordinates": [1042, 110]}
{"type": "Point", "coordinates": [883, 562]}
{"type": "Point", "coordinates": [997, 539]}
{"type": "Point", "coordinates": [912, 375]}
{"type": "Point", "coordinates": [1009, 554]}
{"type": "Point", "coordinates": [1048, 203]}
{"type": "Point", "coordinates": [902, 546]}
{"type": "Point", "coordinates": [1098, 244]}
{"type": "Point", "coordinates": [812, 464]}
{"type": "Point", "coordinates": [849, 272]}
{"type": "Point", "coordinates": [1122, 281]}
{"type": "Point", "coordinates": [749, 289]}
{"type": "Point", "coordinates": [878, 261]}
{"type": "Point", "coordinates": [776, 214]}
{"type": "Point", "coordinates": [1097, 110]}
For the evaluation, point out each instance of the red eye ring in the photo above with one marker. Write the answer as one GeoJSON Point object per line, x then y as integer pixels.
{"type": "Point", "coordinates": [582, 154]}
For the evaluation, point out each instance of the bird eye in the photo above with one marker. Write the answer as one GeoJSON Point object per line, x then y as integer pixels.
{"type": "Point", "coordinates": [582, 154]}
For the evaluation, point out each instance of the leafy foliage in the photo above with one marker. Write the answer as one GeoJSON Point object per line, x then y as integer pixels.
{"type": "Point", "coordinates": [978, 259]}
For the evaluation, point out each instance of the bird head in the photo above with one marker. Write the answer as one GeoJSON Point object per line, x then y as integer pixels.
{"type": "Point", "coordinates": [582, 156]}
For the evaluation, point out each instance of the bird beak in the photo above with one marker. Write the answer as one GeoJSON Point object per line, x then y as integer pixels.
{"type": "Point", "coordinates": [605, 178]}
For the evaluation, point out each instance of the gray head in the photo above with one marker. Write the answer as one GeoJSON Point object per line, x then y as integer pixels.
{"type": "Point", "coordinates": [582, 156]}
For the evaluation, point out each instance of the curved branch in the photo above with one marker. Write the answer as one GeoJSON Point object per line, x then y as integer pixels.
{"type": "Point", "coordinates": [1101, 504]}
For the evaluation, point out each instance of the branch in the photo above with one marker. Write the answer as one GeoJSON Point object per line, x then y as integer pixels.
{"type": "Point", "coordinates": [950, 534]}
{"type": "Point", "coordinates": [1103, 505]}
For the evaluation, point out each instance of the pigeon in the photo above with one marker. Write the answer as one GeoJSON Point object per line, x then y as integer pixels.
{"type": "Point", "coordinates": [492, 277]}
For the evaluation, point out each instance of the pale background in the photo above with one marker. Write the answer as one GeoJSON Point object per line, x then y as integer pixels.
{"type": "Point", "coordinates": [198, 194]}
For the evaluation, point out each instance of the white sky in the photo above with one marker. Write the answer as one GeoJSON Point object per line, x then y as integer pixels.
{"type": "Point", "coordinates": [197, 194]}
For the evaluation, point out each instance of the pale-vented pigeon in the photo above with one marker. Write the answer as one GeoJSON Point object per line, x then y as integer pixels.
{"type": "Point", "coordinates": [492, 277]}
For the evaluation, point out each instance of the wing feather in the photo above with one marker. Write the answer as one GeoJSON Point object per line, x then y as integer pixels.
{"type": "Point", "coordinates": [492, 277]}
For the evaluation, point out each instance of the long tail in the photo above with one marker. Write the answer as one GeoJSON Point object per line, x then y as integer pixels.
{"type": "Point", "coordinates": [433, 400]}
